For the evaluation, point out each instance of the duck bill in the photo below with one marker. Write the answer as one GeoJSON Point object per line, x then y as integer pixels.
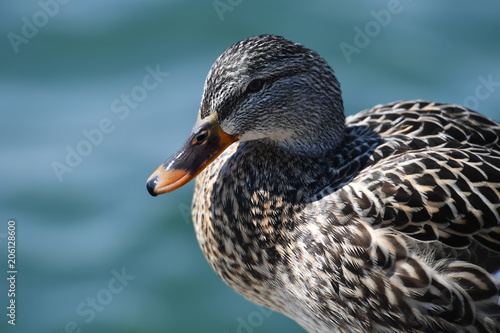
{"type": "Point", "coordinates": [205, 142]}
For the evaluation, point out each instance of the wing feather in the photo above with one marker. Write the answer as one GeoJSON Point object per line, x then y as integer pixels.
{"type": "Point", "coordinates": [434, 176]}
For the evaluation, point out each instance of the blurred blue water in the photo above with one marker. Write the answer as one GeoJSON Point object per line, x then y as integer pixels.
{"type": "Point", "coordinates": [75, 235]}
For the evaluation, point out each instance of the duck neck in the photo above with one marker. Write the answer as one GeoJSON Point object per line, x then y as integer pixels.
{"type": "Point", "coordinates": [317, 137]}
{"type": "Point", "coordinates": [299, 175]}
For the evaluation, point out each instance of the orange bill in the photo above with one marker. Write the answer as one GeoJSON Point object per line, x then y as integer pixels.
{"type": "Point", "coordinates": [206, 141]}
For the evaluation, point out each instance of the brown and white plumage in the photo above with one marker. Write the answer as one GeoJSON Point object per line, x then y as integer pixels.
{"type": "Point", "coordinates": [388, 221]}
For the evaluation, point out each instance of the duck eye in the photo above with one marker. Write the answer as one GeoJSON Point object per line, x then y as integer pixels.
{"type": "Point", "coordinates": [200, 138]}
{"type": "Point", "coordinates": [255, 85]}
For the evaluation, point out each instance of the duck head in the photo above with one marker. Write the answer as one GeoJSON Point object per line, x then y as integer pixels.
{"type": "Point", "coordinates": [262, 88]}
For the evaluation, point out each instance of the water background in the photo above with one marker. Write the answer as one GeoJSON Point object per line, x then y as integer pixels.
{"type": "Point", "coordinates": [77, 231]}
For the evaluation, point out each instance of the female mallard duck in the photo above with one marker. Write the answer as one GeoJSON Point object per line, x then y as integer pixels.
{"type": "Point", "coordinates": [387, 221]}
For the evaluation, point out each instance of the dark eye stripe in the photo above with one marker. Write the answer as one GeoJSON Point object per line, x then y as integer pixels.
{"type": "Point", "coordinates": [255, 85]}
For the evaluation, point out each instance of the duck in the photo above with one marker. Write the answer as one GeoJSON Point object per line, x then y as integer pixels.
{"type": "Point", "coordinates": [384, 221]}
